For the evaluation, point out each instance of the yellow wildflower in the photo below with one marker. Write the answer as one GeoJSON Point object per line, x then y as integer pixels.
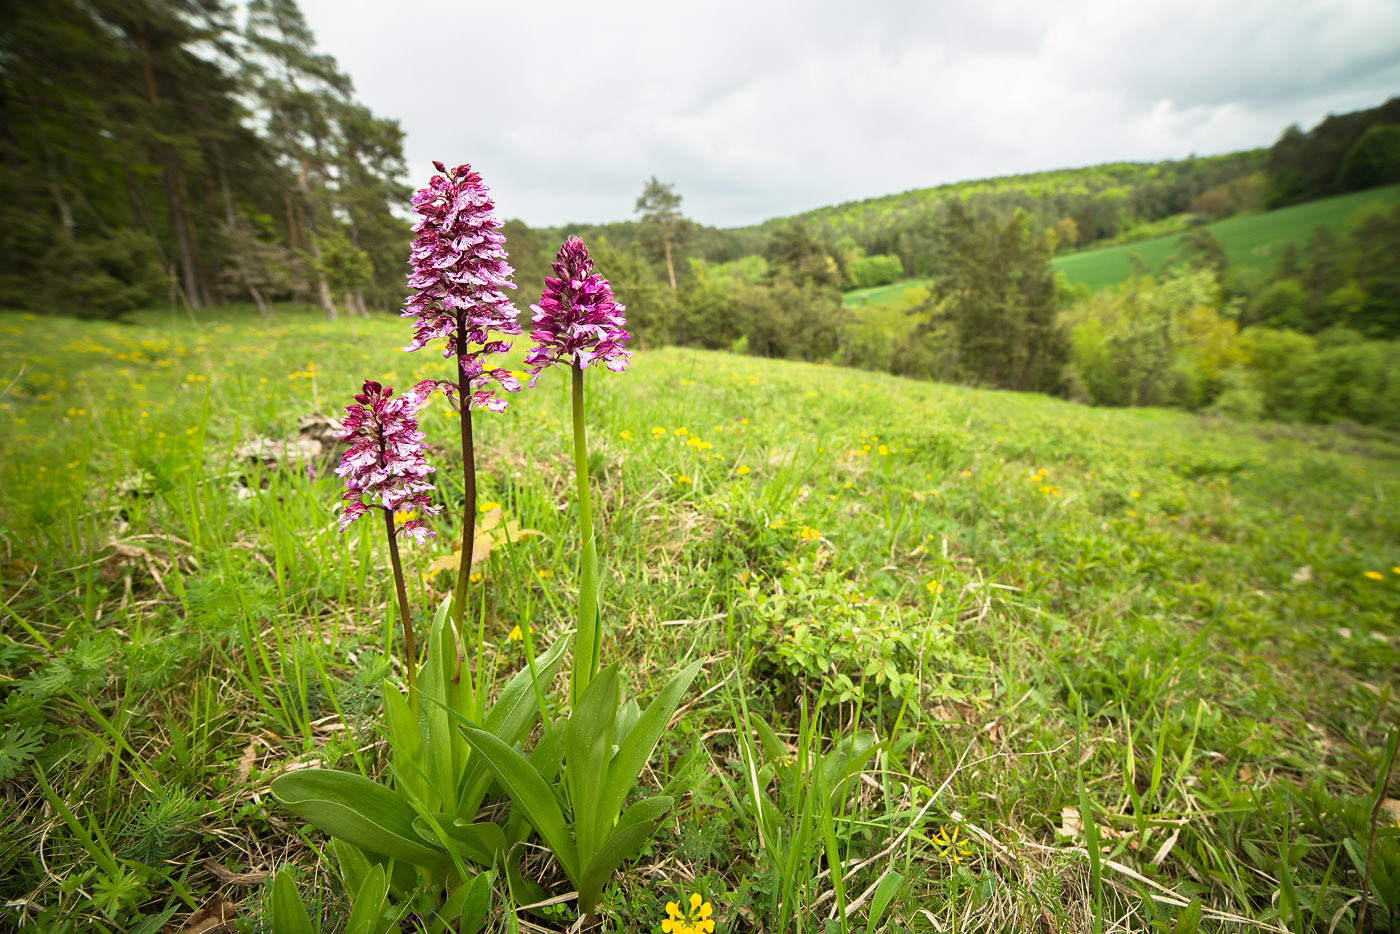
{"type": "Point", "coordinates": [682, 479]}
{"type": "Point", "coordinates": [625, 435]}
{"type": "Point", "coordinates": [695, 921]}
{"type": "Point", "coordinates": [657, 431]}
{"type": "Point", "coordinates": [950, 846]}
{"type": "Point", "coordinates": [1136, 495]}
{"type": "Point", "coordinates": [487, 506]}
{"type": "Point", "coordinates": [809, 534]}
{"type": "Point", "coordinates": [967, 473]}
{"type": "Point", "coordinates": [933, 587]}
{"type": "Point", "coordinates": [884, 450]}
{"type": "Point", "coordinates": [544, 573]}
{"type": "Point", "coordinates": [402, 517]}
{"type": "Point", "coordinates": [515, 635]}
{"type": "Point", "coordinates": [743, 469]}
{"type": "Point", "coordinates": [682, 431]}
{"type": "Point", "coordinates": [1375, 575]}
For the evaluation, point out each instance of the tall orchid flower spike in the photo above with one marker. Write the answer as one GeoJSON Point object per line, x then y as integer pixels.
{"type": "Point", "coordinates": [579, 322]}
{"type": "Point", "coordinates": [458, 277]}
{"type": "Point", "coordinates": [384, 469]}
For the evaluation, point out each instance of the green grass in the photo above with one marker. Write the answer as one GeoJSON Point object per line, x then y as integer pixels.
{"type": "Point", "coordinates": [1252, 241]}
{"type": "Point", "coordinates": [1084, 638]}
{"type": "Point", "coordinates": [891, 294]}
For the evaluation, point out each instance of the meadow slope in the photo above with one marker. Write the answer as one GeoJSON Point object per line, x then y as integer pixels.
{"type": "Point", "coordinates": [1252, 241]}
{"type": "Point", "coordinates": [1132, 660]}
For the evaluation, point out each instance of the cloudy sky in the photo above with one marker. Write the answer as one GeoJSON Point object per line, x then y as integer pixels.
{"type": "Point", "coordinates": [758, 109]}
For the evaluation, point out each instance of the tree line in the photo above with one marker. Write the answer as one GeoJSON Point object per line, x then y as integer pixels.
{"type": "Point", "coordinates": [155, 150]}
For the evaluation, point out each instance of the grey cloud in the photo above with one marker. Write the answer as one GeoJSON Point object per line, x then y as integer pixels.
{"type": "Point", "coordinates": [761, 109]}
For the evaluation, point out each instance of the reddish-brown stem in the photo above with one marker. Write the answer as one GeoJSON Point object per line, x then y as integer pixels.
{"type": "Point", "coordinates": [464, 396]}
{"type": "Point", "coordinates": [409, 647]}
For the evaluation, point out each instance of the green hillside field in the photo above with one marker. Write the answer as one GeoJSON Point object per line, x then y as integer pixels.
{"type": "Point", "coordinates": [1120, 663]}
{"type": "Point", "coordinates": [1253, 241]}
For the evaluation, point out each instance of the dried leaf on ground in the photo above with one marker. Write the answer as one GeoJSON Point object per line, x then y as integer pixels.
{"type": "Point", "coordinates": [215, 917]}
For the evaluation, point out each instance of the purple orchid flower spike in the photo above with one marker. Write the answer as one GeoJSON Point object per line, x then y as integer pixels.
{"type": "Point", "coordinates": [384, 469]}
{"type": "Point", "coordinates": [384, 466]}
{"type": "Point", "coordinates": [459, 272]}
{"type": "Point", "coordinates": [577, 320]}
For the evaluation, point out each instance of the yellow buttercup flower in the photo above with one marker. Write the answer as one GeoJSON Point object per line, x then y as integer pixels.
{"type": "Point", "coordinates": [696, 920]}
{"type": "Point", "coordinates": [743, 469]}
{"type": "Point", "coordinates": [625, 435]}
{"type": "Point", "coordinates": [883, 449]}
{"type": "Point", "coordinates": [1375, 575]}
{"type": "Point", "coordinates": [515, 635]}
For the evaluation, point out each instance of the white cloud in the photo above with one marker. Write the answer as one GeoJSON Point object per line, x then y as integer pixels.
{"type": "Point", "coordinates": [761, 109]}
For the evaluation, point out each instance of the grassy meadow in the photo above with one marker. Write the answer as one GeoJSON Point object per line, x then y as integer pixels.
{"type": "Point", "coordinates": [1252, 241]}
{"type": "Point", "coordinates": [1127, 669]}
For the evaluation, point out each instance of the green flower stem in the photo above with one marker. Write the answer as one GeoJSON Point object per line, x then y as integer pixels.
{"type": "Point", "coordinates": [590, 635]}
{"type": "Point", "coordinates": [409, 647]}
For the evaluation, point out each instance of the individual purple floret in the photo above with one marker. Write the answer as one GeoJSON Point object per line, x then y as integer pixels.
{"type": "Point", "coordinates": [577, 320]}
{"type": "Point", "coordinates": [459, 271]}
{"type": "Point", "coordinates": [384, 466]}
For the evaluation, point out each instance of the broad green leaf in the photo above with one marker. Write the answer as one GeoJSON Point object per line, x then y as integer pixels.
{"type": "Point", "coordinates": [588, 743]}
{"type": "Point", "coordinates": [586, 647]}
{"type": "Point", "coordinates": [358, 811]}
{"type": "Point", "coordinates": [479, 842]}
{"type": "Point", "coordinates": [516, 709]}
{"type": "Point", "coordinates": [405, 740]}
{"type": "Point", "coordinates": [647, 810]}
{"type": "Point", "coordinates": [433, 722]}
{"type": "Point", "coordinates": [548, 754]}
{"type": "Point", "coordinates": [288, 912]}
{"type": "Point", "coordinates": [773, 748]}
{"type": "Point", "coordinates": [636, 749]}
{"type": "Point", "coordinates": [528, 792]}
{"type": "Point", "coordinates": [885, 890]}
{"type": "Point", "coordinates": [369, 904]}
{"type": "Point", "coordinates": [841, 766]}
{"type": "Point", "coordinates": [623, 843]}
{"type": "Point", "coordinates": [627, 716]}
{"type": "Point", "coordinates": [477, 904]}
{"type": "Point", "coordinates": [447, 912]}
{"type": "Point", "coordinates": [523, 890]}
{"type": "Point", "coordinates": [354, 864]}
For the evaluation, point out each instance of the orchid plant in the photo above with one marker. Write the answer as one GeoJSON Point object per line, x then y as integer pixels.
{"type": "Point", "coordinates": [573, 788]}
{"type": "Point", "coordinates": [450, 747]}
